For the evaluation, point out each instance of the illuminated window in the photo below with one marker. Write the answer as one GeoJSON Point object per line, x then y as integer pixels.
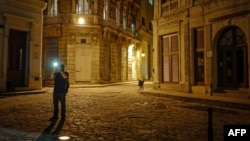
{"type": "Point", "coordinates": [52, 8]}
{"type": "Point", "coordinates": [150, 2]}
{"type": "Point", "coordinates": [105, 10]}
{"type": "Point", "coordinates": [83, 6]}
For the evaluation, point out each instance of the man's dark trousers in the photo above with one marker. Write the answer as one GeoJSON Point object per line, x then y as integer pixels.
{"type": "Point", "coordinates": [59, 97]}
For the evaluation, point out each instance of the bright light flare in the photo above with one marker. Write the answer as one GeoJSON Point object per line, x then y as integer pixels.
{"type": "Point", "coordinates": [81, 21]}
{"type": "Point", "coordinates": [64, 138]}
{"type": "Point", "coordinates": [143, 54]}
{"type": "Point", "coordinates": [55, 64]}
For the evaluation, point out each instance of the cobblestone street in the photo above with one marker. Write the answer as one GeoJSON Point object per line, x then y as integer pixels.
{"type": "Point", "coordinates": [114, 113]}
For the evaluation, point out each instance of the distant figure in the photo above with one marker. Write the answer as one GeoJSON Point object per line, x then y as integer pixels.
{"type": "Point", "coordinates": [141, 84]}
{"type": "Point", "coordinates": [61, 85]}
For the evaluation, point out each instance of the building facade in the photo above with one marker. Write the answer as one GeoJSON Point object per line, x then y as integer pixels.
{"type": "Point", "coordinates": [99, 41]}
{"type": "Point", "coordinates": [201, 45]}
{"type": "Point", "coordinates": [21, 44]}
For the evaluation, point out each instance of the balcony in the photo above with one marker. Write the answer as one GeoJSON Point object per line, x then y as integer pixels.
{"type": "Point", "coordinates": [76, 19]}
{"type": "Point", "coordinates": [58, 19]}
{"type": "Point", "coordinates": [169, 5]}
{"type": "Point", "coordinates": [82, 19]}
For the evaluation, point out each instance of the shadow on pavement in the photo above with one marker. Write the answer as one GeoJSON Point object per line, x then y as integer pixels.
{"type": "Point", "coordinates": [48, 135]}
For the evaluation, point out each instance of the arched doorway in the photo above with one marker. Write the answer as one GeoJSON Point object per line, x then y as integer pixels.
{"type": "Point", "coordinates": [232, 59]}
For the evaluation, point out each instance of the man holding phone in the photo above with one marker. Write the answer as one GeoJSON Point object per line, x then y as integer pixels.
{"type": "Point", "coordinates": [60, 89]}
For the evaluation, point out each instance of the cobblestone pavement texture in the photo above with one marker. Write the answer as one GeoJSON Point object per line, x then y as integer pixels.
{"type": "Point", "coordinates": [114, 113]}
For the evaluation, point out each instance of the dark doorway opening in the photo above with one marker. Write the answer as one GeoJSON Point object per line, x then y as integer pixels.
{"type": "Point", "coordinates": [17, 55]}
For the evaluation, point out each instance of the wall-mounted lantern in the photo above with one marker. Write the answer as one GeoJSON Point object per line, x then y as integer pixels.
{"type": "Point", "coordinates": [143, 54]}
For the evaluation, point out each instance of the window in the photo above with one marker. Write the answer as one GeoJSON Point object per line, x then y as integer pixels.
{"type": "Point", "coordinates": [150, 26]}
{"type": "Point", "coordinates": [106, 10]}
{"type": "Point", "coordinates": [124, 18]}
{"type": "Point", "coordinates": [170, 56]}
{"type": "Point", "coordinates": [51, 54]}
{"type": "Point", "coordinates": [150, 2]}
{"type": "Point", "coordinates": [83, 6]}
{"type": "Point", "coordinates": [118, 8]}
{"type": "Point", "coordinates": [52, 8]}
{"type": "Point", "coordinates": [133, 27]}
{"type": "Point", "coordinates": [199, 56]}
{"type": "Point", "coordinates": [112, 8]}
{"type": "Point", "coordinates": [1, 50]}
{"type": "Point", "coordinates": [143, 21]}
{"type": "Point", "coordinates": [133, 18]}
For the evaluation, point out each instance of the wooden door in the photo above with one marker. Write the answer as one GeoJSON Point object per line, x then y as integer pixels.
{"type": "Point", "coordinates": [17, 55]}
{"type": "Point", "coordinates": [232, 59]}
{"type": "Point", "coordinates": [83, 63]}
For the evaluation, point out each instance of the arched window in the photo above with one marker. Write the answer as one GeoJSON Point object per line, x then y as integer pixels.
{"type": "Point", "coordinates": [232, 36]}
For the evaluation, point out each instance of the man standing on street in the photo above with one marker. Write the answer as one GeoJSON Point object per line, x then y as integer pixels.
{"type": "Point", "coordinates": [60, 90]}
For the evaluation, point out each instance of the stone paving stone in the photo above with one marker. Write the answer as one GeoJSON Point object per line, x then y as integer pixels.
{"type": "Point", "coordinates": [116, 113]}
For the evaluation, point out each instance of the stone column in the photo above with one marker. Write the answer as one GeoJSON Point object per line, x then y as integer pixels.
{"type": "Point", "coordinates": [208, 55]}
{"type": "Point", "coordinates": [157, 8]}
{"type": "Point", "coordinates": [187, 57]}
{"type": "Point", "coordinates": [156, 64]}
{"type": "Point", "coordinates": [1, 52]}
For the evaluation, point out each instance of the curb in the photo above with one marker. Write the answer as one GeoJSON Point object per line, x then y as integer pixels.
{"type": "Point", "coordinates": [210, 100]}
{"type": "Point", "coordinates": [98, 85]}
{"type": "Point", "coordinates": [6, 94]}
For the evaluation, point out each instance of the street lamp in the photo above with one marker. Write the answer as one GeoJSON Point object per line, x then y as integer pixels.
{"type": "Point", "coordinates": [143, 54]}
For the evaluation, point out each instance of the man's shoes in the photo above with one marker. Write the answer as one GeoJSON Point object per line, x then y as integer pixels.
{"type": "Point", "coordinates": [54, 118]}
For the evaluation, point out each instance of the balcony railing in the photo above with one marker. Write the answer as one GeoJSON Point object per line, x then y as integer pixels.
{"type": "Point", "coordinates": [82, 19]}
{"type": "Point", "coordinates": [77, 19]}
{"type": "Point", "coordinates": [170, 5]}
{"type": "Point", "coordinates": [53, 19]}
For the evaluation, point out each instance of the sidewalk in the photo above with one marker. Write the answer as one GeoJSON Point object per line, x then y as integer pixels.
{"type": "Point", "coordinates": [100, 85]}
{"type": "Point", "coordinates": [43, 90]}
{"type": "Point", "coordinates": [232, 100]}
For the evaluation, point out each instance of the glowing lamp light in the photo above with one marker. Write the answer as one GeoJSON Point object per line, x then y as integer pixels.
{"type": "Point", "coordinates": [64, 138]}
{"type": "Point", "coordinates": [81, 20]}
{"type": "Point", "coordinates": [143, 54]}
{"type": "Point", "coordinates": [55, 64]}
